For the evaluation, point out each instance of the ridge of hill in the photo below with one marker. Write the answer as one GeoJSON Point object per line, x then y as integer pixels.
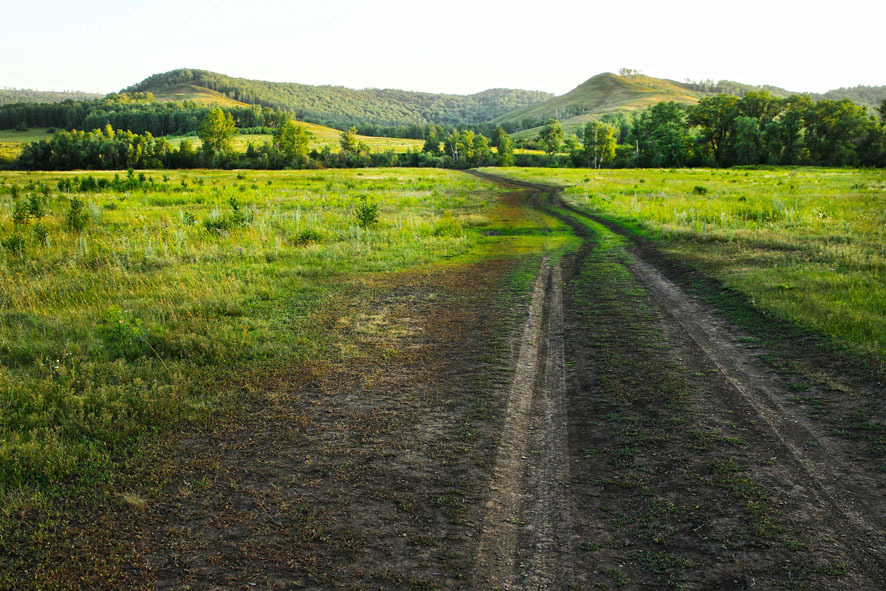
{"type": "Point", "coordinates": [337, 106]}
{"type": "Point", "coordinates": [9, 96]}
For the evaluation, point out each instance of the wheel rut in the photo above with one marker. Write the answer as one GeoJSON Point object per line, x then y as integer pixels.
{"type": "Point", "coordinates": [525, 541]}
{"type": "Point", "coordinates": [822, 494]}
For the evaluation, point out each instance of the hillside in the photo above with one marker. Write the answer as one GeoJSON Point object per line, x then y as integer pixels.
{"type": "Point", "coordinates": [608, 93]}
{"type": "Point", "coordinates": [604, 93]}
{"type": "Point", "coordinates": [196, 94]}
{"type": "Point", "coordinates": [9, 96]}
{"type": "Point", "coordinates": [337, 106]}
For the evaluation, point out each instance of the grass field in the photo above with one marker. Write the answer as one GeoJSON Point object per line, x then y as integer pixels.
{"type": "Point", "coordinates": [179, 280]}
{"type": "Point", "coordinates": [807, 245]}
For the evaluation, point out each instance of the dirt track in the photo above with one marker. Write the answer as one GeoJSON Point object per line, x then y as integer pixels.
{"type": "Point", "coordinates": [717, 481]}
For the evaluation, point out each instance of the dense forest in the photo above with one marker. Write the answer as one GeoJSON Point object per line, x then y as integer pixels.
{"type": "Point", "coordinates": [866, 96]}
{"type": "Point", "coordinates": [340, 107]}
{"type": "Point", "coordinates": [136, 112]}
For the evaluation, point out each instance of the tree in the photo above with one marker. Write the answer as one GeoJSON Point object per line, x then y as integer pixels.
{"type": "Point", "coordinates": [714, 116]}
{"type": "Point", "coordinates": [551, 136]}
{"type": "Point", "coordinates": [882, 111]}
{"type": "Point", "coordinates": [292, 139]}
{"type": "Point", "coordinates": [599, 143]}
{"type": "Point", "coordinates": [480, 152]}
{"type": "Point", "coordinates": [349, 142]}
{"type": "Point", "coordinates": [432, 141]}
{"type": "Point", "coordinates": [747, 140]}
{"type": "Point", "coordinates": [216, 131]}
{"type": "Point", "coordinates": [505, 146]}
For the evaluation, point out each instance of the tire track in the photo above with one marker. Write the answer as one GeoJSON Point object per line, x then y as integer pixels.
{"type": "Point", "coordinates": [845, 500]}
{"type": "Point", "coordinates": [525, 541]}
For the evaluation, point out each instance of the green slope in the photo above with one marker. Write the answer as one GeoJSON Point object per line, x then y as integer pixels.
{"type": "Point", "coordinates": [604, 93]}
{"type": "Point", "coordinates": [337, 106]}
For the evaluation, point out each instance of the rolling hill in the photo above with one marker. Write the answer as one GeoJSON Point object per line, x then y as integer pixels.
{"type": "Point", "coordinates": [337, 106]}
{"type": "Point", "coordinates": [609, 93]}
{"type": "Point", "coordinates": [604, 93]}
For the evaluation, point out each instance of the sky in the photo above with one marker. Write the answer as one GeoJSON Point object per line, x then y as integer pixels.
{"type": "Point", "coordinates": [452, 46]}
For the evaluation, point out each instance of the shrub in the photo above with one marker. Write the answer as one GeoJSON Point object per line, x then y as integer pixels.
{"type": "Point", "coordinates": [75, 219]}
{"type": "Point", "coordinates": [306, 236]}
{"type": "Point", "coordinates": [699, 190]}
{"type": "Point", "coordinates": [36, 206]}
{"type": "Point", "coordinates": [20, 214]}
{"type": "Point", "coordinates": [122, 334]}
{"type": "Point", "coordinates": [366, 212]}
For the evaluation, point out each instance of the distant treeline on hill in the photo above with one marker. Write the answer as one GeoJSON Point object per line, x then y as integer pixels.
{"type": "Point", "coordinates": [340, 107]}
{"type": "Point", "coordinates": [136, 112]}
{"type": "Point", "coordinates": [25, 95]}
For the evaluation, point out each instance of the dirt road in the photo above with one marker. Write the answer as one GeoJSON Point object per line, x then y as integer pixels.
{"type": "Point", "coordinates": [688, 461]}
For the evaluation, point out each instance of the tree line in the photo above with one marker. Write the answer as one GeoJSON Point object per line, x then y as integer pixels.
{"type": "Point", "coordinates": [136, 112]}
{"type": "Point", "coordinates": [720, 131]}
{"type": "Point", "coordinates": [723, 131]}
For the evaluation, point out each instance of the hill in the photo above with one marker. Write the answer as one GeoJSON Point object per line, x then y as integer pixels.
{"type": "Point", "coordinates": [609, 93]}
{"type": "Point", "coordinates": [9, 96]}
{"type": "Point", "coordinates": [604, 93]}
{"type": "Point", "coordinates": [337, 106]}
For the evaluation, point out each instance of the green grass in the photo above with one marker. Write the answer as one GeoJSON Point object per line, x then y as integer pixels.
{"type": "Point", "coordinates": [12, 142]}
{"type": "Point", "coordinates": [179, 284]}
{"type": "Point", "coordinates": [322, 136]}
{"type": "Point", "coordinates": [806, 245]}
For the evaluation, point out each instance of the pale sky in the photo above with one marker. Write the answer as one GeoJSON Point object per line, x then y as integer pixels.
{"type": "Point", "coordinates": [454, 46]}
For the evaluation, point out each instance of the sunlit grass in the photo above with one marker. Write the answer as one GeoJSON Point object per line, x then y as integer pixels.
{"type": "Point", "coordinates": [184, 280]}
{"type": "Point", "coordinates": [808, 245]}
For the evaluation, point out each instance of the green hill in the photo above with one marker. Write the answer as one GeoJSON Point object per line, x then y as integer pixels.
{"type": "Point", "coordinates": [10, 96]}
{"type": "Point", "coordinates": [337, 106]}
{"type": "Point", "coordinates": [604, 93]}
{"type": "Point", "coordinates": [608, 93]}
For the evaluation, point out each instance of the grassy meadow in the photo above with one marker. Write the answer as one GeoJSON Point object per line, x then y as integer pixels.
{"type": "Point", "coordinates": [130, 302]}
{"type": "Point", "coordinates": [807, 245]}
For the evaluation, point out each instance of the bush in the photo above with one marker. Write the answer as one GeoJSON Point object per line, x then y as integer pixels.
{"type": "Point", "coordinates": [40, 234]}
{"type": "Point", "coordinates": [20, 214]}
{"type": "Point", "coordinates": [122, 334]}
{"type": "Point", "coordinates": [366, 212]}
{"type": "Point", "coordinates": [36, 206]}
{"type": "Point", "coordinates": [75, 219]}
{"type": "Point", "coordinates": [699, 190]}
{"type": "Point", "coordinates": [306, 236]}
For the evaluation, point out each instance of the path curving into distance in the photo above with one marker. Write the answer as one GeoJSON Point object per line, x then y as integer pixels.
{"type": "Point", "coordinates": [647, 445]}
